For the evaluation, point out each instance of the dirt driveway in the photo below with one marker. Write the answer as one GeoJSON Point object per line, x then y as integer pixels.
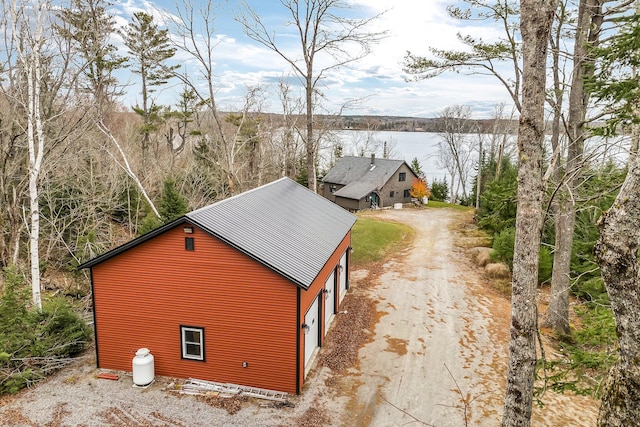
{"type": "Point", "coordinates": [436, 356]}
{"type": "Point", "coordinates": [439, 353]}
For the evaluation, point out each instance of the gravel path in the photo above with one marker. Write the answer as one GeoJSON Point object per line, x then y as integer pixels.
{"type": "Point", "coordinates": [432, 343]}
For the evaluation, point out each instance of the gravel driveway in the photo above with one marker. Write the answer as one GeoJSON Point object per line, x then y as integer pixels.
{"type": "Point", "coordinates": [439, 353]}
{"type": "Point", "coordinates": [435, 354]}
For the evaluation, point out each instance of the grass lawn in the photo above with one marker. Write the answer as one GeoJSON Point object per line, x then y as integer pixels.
{"type": "Point", "coordinates": [434, 204]}
{"type": "Point", "coordinates": [373, 240]}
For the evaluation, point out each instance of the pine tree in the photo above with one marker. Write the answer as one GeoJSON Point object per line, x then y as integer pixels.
{"type": "Point", "coordinates": [439, 190]}
{"type": "Point", "coordinates": [417, 168]}
{"type": "Point", "coordinates": [89, 25]}
{"type": "Point", "coordinates": [172, 205]}
{"type": "Point", "coordinates": [149, 46]}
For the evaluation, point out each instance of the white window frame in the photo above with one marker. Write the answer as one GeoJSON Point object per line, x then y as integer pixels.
{"type": "Point", "coordinates": [184, 342]}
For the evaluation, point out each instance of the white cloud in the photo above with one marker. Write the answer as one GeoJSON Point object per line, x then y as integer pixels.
{"type": "Point", "coordinates": [411, 26]}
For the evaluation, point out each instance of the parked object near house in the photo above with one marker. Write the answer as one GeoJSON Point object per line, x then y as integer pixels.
{"type": "Point", "coordinates": [357, 183]}
{"type": "Point", "coordinates": [240, 291]}
{"type": "Point", "coordinates": [142, 367]}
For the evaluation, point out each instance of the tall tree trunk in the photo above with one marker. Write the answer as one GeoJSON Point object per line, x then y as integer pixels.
{"type": "Point", "coordinates": [557, 315]}
{"type": "Point", "coordinates": [617, 255]}
{"type": "Point", "coordinates": [28, 37]}
{"type": "Point", "coordinates": [635, 128]}
{"type": "Point", "coordinates": [310, 143]}
{"type": "Point", "coordinates": [479, 177]}
{"type": "Point", "coordinates": [452, 192]}
{"type": "Point", "coordinates": [587, 34]}
{"type": "Point", "coordinates": [35, 138]}
{"type": "Point", "coordinates": [536, 17]}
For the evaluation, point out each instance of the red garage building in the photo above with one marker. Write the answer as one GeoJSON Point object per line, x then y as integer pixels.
{"type": "Point", "coordinates": [241, 291]}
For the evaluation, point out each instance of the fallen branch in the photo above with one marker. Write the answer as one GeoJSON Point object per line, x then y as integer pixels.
{"type": "Point", "coordinates": [406, 413]}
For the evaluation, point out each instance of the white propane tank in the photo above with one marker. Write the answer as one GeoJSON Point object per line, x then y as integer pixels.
{"type": "Point", "coordinates": [143, 367]}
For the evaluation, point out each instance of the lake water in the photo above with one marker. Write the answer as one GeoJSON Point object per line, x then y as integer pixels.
{"type": "Point", "coordinates": [402, 145]}
{"type": "Point", "coordinates": [424, 146]}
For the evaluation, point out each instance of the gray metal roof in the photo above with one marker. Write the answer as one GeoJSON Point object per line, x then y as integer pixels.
{"type": "Point", "coordinates": [283, 225]}
{"type": "Point", "coordinates": [356, 190]}
{"type": "Point", "coordinates": [360, 177]}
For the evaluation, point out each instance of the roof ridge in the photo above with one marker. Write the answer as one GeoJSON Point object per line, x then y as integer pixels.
{"type": "Point", "coordinates": [244, 193]}
{"type": "Point", "coordinates": [376, 159]}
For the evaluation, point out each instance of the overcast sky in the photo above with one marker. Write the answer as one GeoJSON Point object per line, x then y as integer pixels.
{"type": "Point", "coordinates": [378, 79]}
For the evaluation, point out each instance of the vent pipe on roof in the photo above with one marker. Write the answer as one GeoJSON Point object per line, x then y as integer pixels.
{"type": "Point", "coordinates": [373, 158]}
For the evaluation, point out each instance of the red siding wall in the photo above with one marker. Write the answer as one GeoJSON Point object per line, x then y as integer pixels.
{"type": "Point", "coordinates": [308, 297]}
{"type": "Point", "coordinates": [143, 295]}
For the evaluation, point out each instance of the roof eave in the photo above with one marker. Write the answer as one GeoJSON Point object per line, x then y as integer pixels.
{"type": "Point", "coordinates": [132, 243]}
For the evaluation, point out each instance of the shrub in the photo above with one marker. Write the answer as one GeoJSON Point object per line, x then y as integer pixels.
{"type": "Point", "coordinates": [503, 244]}
{"type": "Point", "coordinates": [498, 201]}
{"type": "Point", "coordinates": [34, 343]}
{"type": "Point", "coordinates": [545, 265]}
{"type": "Point", "coordinates": [592, 290]}
{"type": "Point", "coordinates": [439, 190]}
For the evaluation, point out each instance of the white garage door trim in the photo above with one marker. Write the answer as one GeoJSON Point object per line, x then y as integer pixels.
{"type": "Point", "coordinates": [312, 335]}
{"type": "Point", "coordinates": [329, 300]}
{"type": "Point", "coordinates": [343, 276]}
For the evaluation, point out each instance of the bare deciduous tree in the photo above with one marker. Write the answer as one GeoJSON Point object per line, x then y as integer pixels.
{"type": "Point", "coordinates": [28, 23]}
{"type": "Point", "coordinates": [328, 40]}
{"type": "Point", "coordinates": [193, 30]}
{"type": "Point", "coordinates": [587, 35]}
{"type": "Point", "coordinates": [13, 182]}
{"type": "Point", "coordinates": [480, 57]}
{"type": "Point", "coordinates": [456, 146]}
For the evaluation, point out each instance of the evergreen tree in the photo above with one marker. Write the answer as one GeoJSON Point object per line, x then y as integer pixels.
{"type": "Point", "coordinates": [498, 202]}
{"type": "Point", "coordinates": [417, 168]}
{"type": "Point", "coordinates": [599, 189]}
{"type": "Point", "coordinates": [89, 25]}
{"type": "Point", "coordinates": [615, 82]}
{"type": "Point", "coordinates": [439, 190]}
{"type": "Point", "coordinates": [149, 46]}
{"type": "Point", "coordinates": [172, 205]}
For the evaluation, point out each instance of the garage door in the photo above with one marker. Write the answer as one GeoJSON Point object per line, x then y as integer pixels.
{"type": "Point", "coordinates": [343, 276]}
{"type": "Point", "coordinates": [312, 335]}
{"type": "Point", "coordinates": [329, 299]}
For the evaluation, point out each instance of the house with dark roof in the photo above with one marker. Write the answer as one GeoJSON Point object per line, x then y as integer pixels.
{"type": "Point", "coordinates": [357, 183]}
{"type": "Point", "coordinates": [242, 291]}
